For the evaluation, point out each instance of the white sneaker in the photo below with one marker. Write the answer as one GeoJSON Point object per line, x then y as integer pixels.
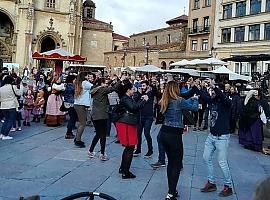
{"type": "Point", "coordinates": [103, 157]}
{"type": "Point", "coordinates": [2, 121]}
{"type": "Point", "coordinates": [19, 129]}
{"type": "Point", "coordinates": [1, 136]}
{"type": "Point", "coordinates": [91, 154]}
{"type": "Point", "coordinates": [13, 130]}
{"type": "Point", "coordinates": [6, 137]}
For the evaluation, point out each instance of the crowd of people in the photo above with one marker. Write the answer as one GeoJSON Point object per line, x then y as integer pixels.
{"type": "Point", "coordinates": [133, 104]}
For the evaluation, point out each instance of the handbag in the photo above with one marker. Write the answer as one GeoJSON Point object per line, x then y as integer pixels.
{"type": "Point", "coordinates": [129, 118]}
{"type": "Point", "coordinates": [116, 112]}
{"type": "Point", "coordinates": [65, 107]}
{"type": "Point", "coordinates": [262, 115]}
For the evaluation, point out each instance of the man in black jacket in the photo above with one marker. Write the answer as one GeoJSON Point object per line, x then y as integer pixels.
{"type": "Point", "coordinates": [218, 139]}
{"type": "Point", "coordinates": [146, 118]}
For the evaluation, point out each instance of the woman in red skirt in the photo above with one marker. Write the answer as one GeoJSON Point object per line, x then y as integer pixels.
{"type": "Point", "coordinates": [127, 126]}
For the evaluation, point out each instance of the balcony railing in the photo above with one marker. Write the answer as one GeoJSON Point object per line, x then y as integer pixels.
{"type": "Point", "coordinates": [199, 30]}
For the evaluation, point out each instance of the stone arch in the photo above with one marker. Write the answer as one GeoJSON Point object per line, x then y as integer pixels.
{"type": "Point", "coordinates": [55, 36]}
{"type": "Point", "coordinates": [6, 12]}
{"type": "Point", "coordinates": [6, 35]}
{"type": "Point", "coordinates": [163, 65]}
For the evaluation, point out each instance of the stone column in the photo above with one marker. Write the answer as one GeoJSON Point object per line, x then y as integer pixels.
{"type": "Point", "coordinates": [247, 7]}
{"type": "Point", "coordinates": [261, 31]}
{"type": "Point", "coordinates": [263, 6]}
{"type": "Point", "coordinates": [232, 34]}
{"type": "Point", "coordinates": [233, 9]}
{"type": "Point", "coordinates": [246, 33]}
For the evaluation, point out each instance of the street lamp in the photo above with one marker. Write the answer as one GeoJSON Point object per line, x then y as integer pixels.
{"type": "Point", "coordinates": [147, 46]}
{"type": "Point", "coordinates": [124, 57]}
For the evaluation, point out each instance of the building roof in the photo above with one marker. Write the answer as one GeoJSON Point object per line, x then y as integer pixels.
{"type": "Point", "coordinates": [152, 47]}
{"type": "Point", "coordinates": [119, 37]}
{"type": "Point", "coordinates": [89, 3]}
{"type": "Point", "coordinates": [94, 21]}
{"type": "Point", "coordinates": [160, 29]}
{"type": "Point", "coordinates": [179, 19]}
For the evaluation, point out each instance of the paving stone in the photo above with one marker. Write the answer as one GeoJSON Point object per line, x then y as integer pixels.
{"type": "Point", "coordinates": [40, 161]}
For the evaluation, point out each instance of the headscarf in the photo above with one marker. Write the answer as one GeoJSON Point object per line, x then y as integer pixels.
{"type": "Point", "coordinates": [250, 94]}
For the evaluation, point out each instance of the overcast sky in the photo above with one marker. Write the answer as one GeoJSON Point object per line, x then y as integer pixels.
{"type": "Point", "coordinates": [135, 16]}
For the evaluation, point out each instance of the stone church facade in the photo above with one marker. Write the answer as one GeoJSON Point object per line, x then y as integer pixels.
{"type": "Point", "coordinates": [27, 26]}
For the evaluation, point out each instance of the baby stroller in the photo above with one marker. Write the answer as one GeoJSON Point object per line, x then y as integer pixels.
{"type": "Point", "coordinates": [81, 195]}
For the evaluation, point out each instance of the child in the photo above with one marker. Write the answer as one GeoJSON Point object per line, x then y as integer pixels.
{"type": "Point", "coordinates": [28, 106]}
{"type": "Point", "coordinates": [38, 106]}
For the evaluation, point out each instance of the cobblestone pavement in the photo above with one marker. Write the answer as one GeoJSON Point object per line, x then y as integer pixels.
{"type": "Point", "coordinates": [40, 161]}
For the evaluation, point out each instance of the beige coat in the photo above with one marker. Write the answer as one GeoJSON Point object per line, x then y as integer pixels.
{"type": "Point", "coordinates": [8, 99]}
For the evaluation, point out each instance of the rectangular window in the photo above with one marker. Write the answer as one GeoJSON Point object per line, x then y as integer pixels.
{"type": "Point", "coordinates": [156, 40]}
{"type": "Point", "coordinates": [240, 9]}
{"type": "Point", "coordinates": [144, 42]}
{"type": "Point", "coordinates": [267, 31]}
{"type": "Point", "coordinates": [50, 4]}
{"type": "Point", "coordinates": [206, 23]}
{"type": "Point", "coordinates": [196, 4]}
{"type": "Point", "coordinates": [195, 25]}
{"type": "Point", "coordinates": [207, 3]}
{"type": "Point", "coordinates": [205, 45]}
{"type": "Point", "coordinates": [255, 6]}
{"type": "Point", "coordinates": [254, 32]}
{"type": "Point", "coordinates": [90, 13]}
{"type": "Point", "coordinates": [267, 6]}
{"type": "Point", "coordinates": [227, 11]}
{"type": "Point", "coordinates": [194, 45]}
{"type": "Point", "coordinates": [239, 34]}
{"type": "Point", "coordinates": [226, 35]}
{"type": "Point", "coordinates": [169, 38]}
{"type": "Point", "coordinates": [134, 42]}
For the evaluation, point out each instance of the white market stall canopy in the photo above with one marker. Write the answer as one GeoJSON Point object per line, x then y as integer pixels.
{"type": "Point", "coordinates": [195, 62]}
{"type": "Point", "coordinates": [149, 68]}
{"type": "Point", "coordinates": [232, 75]}
{"type": "Point", "coordinates": [191, 72]}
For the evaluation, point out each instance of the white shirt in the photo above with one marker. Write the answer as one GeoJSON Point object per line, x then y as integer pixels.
{"type": "Point", "coordinates": [85, 98]}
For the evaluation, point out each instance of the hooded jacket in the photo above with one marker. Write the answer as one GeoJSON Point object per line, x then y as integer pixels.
{"type": "Point", "coordinates": [101, 103]}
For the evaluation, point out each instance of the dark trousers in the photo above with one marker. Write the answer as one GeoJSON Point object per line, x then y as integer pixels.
{"type": "Point", "coordinates": [101, 130]}
{"type": "Point", "coordinates": [233, 122]}
{"type": "Point", "coordinates": [145, 125]}
{"type": "Point", "coordinates": [72, 119]}
{"type": "Point", "coordinates": [198, 116]}
{"type": "Point", "coordinates": [127, 158]}
{"type": "Point", "coordinates": [161, 151]}
{"type": "Point", "coordinates": [206, 115]}
{"type": "Point", "coordinates": [10, 118]}
{"type": "Point", "coordinates": [109, 122]}
{"type": "Point", "coordinates": [18, 119]}
{"type": "Point", "coordinates": [173, 145]}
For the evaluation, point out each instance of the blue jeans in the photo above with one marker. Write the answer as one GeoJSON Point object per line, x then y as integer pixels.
{"type": "Point", "coordinates": [10, 118]}
{"type": "Point", "coordinates": [145, 125]}
{"type": "Point", "coordinates": [161, 151]}
{"type": "Point", "coordinates": [221, 144]}
{"type": "Point", "coordinates": [72, 119]}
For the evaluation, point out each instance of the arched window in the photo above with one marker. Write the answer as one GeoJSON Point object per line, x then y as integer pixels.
{"type": "Point", "coordinates": [134, 61]}
{"type": "Point", "coordinates": [171, 67]}
{"type": "Point", "coordinates": [163, 65]}
{"type": "Point", "coordinates": [50, 4]}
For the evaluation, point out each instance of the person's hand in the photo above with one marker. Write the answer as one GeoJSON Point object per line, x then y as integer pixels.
{"type": "Point", "coordinates": [145, 97]}
{"type": "Point", "coordinates": [195, 97]}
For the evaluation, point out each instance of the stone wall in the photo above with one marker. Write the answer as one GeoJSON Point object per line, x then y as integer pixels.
{"type": "Point", "coordinates": [95, 43]}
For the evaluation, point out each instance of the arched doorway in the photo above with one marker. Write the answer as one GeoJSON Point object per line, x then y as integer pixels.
{"type": "Point", "coordinates": [47, 44]}
{"type": "Point", "coordinates": [163, 65]}
{"type": "Point", "coordinates": [6, 37]}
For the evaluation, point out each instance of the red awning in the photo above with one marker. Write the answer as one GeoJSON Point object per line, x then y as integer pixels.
{"type": "Point", "coordinates": [58, 54]}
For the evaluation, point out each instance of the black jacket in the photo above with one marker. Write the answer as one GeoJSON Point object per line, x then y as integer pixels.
{"type": "Point", "coordinates": [131, 108]}
{"type": "Point", "coordinates": [236, 106]}
{"type": "Point", "coordinates": [148, 110]}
